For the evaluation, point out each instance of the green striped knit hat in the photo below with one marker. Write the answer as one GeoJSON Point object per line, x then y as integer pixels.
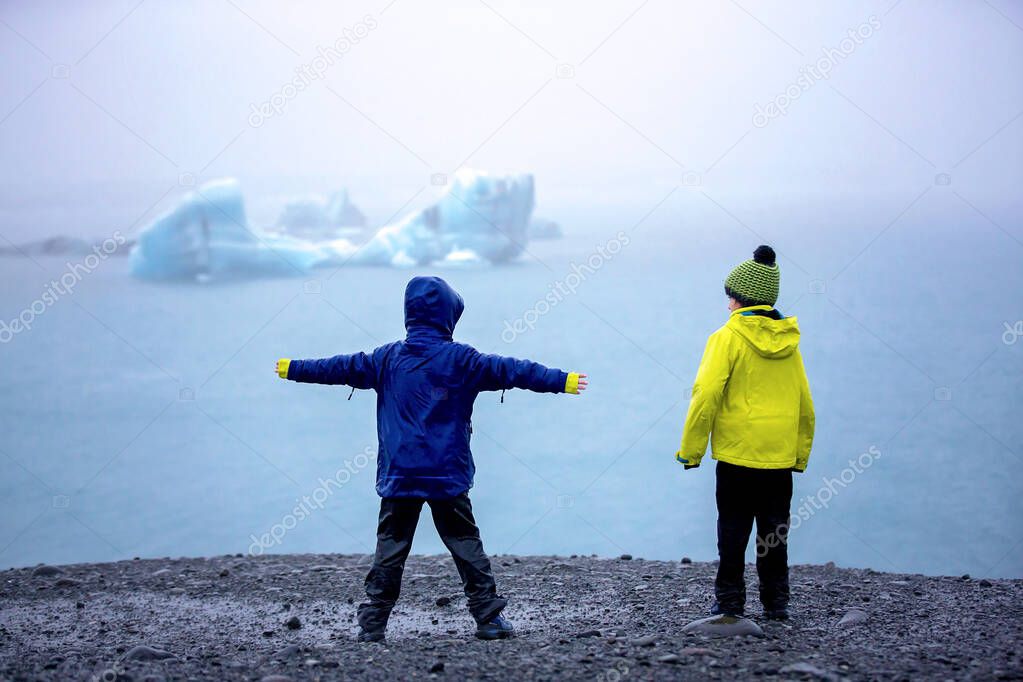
{"type": "Point", "coordinates": [755, 281]}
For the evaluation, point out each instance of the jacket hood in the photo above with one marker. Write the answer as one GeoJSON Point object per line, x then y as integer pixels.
{"type": "Point", "coordinates": [770, 338]}
{"type": "Point", "coordinates": [432, 306]}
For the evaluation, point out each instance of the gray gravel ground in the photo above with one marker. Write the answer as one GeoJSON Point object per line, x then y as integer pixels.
{"type": "Point", "coordinates": [614, 620]}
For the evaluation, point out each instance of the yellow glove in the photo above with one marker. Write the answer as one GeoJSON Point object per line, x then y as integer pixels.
{"type": "Point", "coordinates": [572, 383]}
{"type": "Point", "coordinates": [282, 367]}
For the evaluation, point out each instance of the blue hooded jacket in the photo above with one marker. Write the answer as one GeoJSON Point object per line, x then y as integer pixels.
{"type": "Point", "coordinates": [426, 386]}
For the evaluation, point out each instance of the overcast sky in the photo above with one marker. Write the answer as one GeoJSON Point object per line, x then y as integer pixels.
{"type": "Point", "coordinates": [115, 103]}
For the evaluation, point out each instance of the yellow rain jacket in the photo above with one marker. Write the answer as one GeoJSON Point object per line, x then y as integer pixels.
{"type": "Point", "coordinates": [751, 397]}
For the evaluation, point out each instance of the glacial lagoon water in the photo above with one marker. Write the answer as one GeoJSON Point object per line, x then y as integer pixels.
{"type": "Point", "coordinates": [143, 419]}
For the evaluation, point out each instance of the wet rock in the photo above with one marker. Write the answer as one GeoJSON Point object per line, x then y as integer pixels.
{"type": "Point", "coordinates": [443, 601]}
{"type": "Point", "coordinates": [147, 653]}
{"type": "Point", "coordinates": [809, 671]}
{"type": "Point", "coordinates": [853, 617]}
{"type": "Point", "coordinates": [626, 557]}
{"type": "Point", "coordinates": [587, 633]}
{"type": "Point", "coordinates": [293, 623]}
{"type": "Point", "coordinates": [698, 651]}
{"type": "Point", "coordinates": [984, 582]}
{"type": "Point", "coordinates": [287, 652]}
{"type": "Point", "coordinates": [275, 678]}
{"type": "Point", "coordinates": [686, 560]}
{"type": "Point", "coordinates": [648, 640]}
{"type": "Point", "coordinates": [437, 667]}
{"type": "Point", "coordinates": [45, 571]}
{"type": "Point", "coordinates": [668, 658]}
{"type": "Point", "coordinates": [724, 626]}
{"type": "Point", "coordinates": [66, 582]}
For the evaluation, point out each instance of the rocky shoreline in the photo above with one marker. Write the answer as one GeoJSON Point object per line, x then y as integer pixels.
{"type": "Point", "coordinates": [275, 618]}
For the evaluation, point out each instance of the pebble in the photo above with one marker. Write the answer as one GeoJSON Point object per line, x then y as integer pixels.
{"type": "Point", "coordinates": [852, 617]}
{"type": "Point", "coordinates": [724, 626]}
{"type": "Point", "coordinates": [46, 571]}
{"type": "Point", "coordinates": [698, 651]}
{"type": "Point", "coordinates": [587, 633]}
{"type": "Point", "coordinates": [443, 601]}
{"type": "Point", "coordinates": [286, 652]}
{"type": "Point", "coordinates": [648, 640]}
{"type": "Point", "coordinates": [437, 667]}
{"type": "Point", "coordinates": [984, 582]}
{"type": "Point", "coordinates": [626, 557]}
{"type": "Point", "coordinates": [147, 653]}
{"type": "Point", "coordinates": [66, 582]}
{"type": "Point", "coordinates": [293, 623]}
{"type": "Point", "coordinates": [275, 678]}
{"type": "Point", "coordinates": [808, 670]}
{"type": "Point", "coordinates": [668, 658]}
{"type": "Point", "coordinates": [686, 560]}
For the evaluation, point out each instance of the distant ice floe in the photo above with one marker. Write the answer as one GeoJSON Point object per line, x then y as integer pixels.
{"type": "Point", "coordinates": [318, 219]}
{"type": "Point", "coordinates": [479, 219]}
{"type": "Point", "coordinates": [63, 246]}
{"type": "Point", "coordinates": [541, 228]}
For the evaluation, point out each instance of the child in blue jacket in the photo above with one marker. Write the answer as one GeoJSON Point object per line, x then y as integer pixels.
{"type": "Point", "coordinates": [426, 386]}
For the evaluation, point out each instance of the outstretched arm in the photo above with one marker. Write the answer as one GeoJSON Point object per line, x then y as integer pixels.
{"type": "Point", "coordinates": [497, 373]}
{"type": "Point", "coordinates": [357, 370]}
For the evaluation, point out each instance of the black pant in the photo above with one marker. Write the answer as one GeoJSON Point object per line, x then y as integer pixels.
{"type": "Point", "coordinates": [457, 528]}
{"type": "Point", "coordinates": [745, 495]}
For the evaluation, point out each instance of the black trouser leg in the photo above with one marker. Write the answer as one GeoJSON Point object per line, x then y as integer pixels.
{"type": "Point", "coordinates": [395, 530]}
{"type": "Point", "coordinates": [735, 521]}
{"type": "Point", "coordinates": [772, 538]}
{"type": "Point", "coordinates": [457, 528]}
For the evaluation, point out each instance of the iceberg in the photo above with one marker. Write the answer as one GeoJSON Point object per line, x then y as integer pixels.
{"type": "Point", "coordinates": [318, 218]}
{"type": "Point", "coordinates": [207, 235]}
{"type": "Point", "coordinates": [480, 218]}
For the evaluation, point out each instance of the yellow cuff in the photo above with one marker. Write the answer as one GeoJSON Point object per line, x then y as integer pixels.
{"type": "Point", "coordinates": [282, 367]}
{"type": "Point", "coordinates": [572, 383]}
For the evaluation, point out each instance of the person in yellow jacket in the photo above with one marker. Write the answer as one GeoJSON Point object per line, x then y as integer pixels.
{"type": "Point", "coordinates": [751, 400]}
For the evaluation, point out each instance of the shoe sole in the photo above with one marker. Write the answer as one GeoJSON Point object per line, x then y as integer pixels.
{"type": "Point", "coordinates": [491, 638]}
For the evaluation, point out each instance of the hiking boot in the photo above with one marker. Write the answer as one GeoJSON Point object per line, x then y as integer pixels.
{"type": "Point", "coordinates": [366, 636]}
{"type": "Point", "coordinates": [716, 609]}
{"type": "Point", "coordinates": [498, 628]}
{"type": "Point", "coordinates": [776, 614]}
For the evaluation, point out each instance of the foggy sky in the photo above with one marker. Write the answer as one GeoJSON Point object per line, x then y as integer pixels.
{"type": "Point", "coordinates": [109, 107]}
